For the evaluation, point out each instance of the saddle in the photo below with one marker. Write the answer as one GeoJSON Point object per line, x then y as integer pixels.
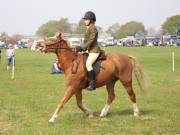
{"type": "Point", "coordinates": [97, 64]}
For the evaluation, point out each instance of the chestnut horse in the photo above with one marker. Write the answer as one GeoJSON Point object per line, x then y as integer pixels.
{"type": "Point", "coordinates": [115, 67]}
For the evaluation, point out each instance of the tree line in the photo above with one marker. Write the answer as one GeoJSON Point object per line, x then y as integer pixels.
{"type": "Point", "coordinates": [171, 26]}
{"type": "Point", "coordinates": [133, 28]}
{"type": "Point", "coordinates": [4, 37]}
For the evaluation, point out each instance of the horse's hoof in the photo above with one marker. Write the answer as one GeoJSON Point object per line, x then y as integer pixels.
{"type": "Point", "coordinates": [101, 115]}
{"type": "Point", "coordinates": [51, 121]}
{"type": "Point", "coordinates": [136, 114]}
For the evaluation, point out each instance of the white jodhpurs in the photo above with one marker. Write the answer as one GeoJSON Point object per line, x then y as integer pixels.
{"type": "Point", "coordinates": [90, 60]}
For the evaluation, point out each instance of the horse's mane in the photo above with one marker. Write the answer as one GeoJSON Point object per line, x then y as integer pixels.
{"type": "Point", "coordinates": [66, 42]}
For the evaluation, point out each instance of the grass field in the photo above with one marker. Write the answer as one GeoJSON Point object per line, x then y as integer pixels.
{"type": "Point", "coordinates": [28, 101]}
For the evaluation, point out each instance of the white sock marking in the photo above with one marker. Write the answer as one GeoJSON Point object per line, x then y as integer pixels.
{"type": "Point", "coordinates": [135, 109]}
{"type": "Point", "coordinates": [105, 110]}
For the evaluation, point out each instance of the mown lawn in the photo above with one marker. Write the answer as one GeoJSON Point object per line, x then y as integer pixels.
{"type": "Point", "coordinates": [28, 101]}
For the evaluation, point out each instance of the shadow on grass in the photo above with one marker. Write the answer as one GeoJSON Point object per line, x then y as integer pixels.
{"type": "Point", "coordinates": [126, 112]}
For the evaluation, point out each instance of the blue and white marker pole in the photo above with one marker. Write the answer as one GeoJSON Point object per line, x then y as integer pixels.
{"type": "Point", "coordinates": [13, 68]}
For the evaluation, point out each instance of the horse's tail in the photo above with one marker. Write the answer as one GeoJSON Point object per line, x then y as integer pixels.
{"type": "Point", "coordinates": [138, 73]}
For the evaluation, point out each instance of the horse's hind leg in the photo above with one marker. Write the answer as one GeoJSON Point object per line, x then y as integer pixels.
{"type": "Point", "coordinates": [111, 96]}
{"type": "Point", "coordinates": [87, 111]}
{"type": "Point", "coordinates": [132, 96]}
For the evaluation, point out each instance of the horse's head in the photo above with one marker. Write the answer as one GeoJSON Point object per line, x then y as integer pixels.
{"type": "Point", "coordinates": [50, 44]}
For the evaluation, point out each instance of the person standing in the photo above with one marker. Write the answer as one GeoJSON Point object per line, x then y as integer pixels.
{"type": "Point", "coordinates": [10, 53]}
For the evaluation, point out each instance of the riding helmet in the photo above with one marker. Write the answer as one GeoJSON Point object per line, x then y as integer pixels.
{"type": "Point", "coordinates": [90, 15]}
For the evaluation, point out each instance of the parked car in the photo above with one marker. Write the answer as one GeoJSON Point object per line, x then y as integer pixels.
{"type": "Point", "coordinates": [119, 43]}
{"type": "Point", "coordinates": [75, 41]}
{"type": "Point", "coordinates": [21, 46]}
{"type": "Point", "coordinates": [102, 44]}
{"type": "Point", "coordinates": [178, 42]}
{"type": "Point", "coordinates": [2, 46]}
{"type": "Point", "coordinates": [109, 41]}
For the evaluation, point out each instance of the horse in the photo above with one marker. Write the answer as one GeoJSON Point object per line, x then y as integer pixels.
{"type": "Point", "coordinates": [115, 67]}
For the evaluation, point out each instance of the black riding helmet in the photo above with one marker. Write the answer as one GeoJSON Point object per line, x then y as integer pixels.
{"type": "Point", "coordinates": [90, 15]}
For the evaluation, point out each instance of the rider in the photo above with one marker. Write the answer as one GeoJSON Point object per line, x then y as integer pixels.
{"type": "Point", "coordinates": [90, 43]}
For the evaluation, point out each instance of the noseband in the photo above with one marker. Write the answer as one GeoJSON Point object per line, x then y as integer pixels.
{"type": "Point", "coordinates": [58, 46]}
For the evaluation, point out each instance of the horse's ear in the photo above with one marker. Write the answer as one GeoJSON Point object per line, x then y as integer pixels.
{"type": "Point", "coordinates": [58, 35]}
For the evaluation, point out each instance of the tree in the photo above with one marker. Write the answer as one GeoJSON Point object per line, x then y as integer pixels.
{"type": "Point", "coordinates": [81, 28]}
{"type": "Point", "coordinates": [100, 29]}
{"type": "Point", "coordinates": [151, 32]}
{"type": "Point", "coordinates": [51, 27]}
{"type": "Point", "coordinates": [130, 29]}
{"type": "Point", "coordinates": [3, 36]}
{"type": "Point", "coordinates": [10, 40]}
{"type": "Point", "coordinates": [171, 25]}
{"type": "Point", "coordinates": [17, 37]}
{"type": "Point", "coordinates": [112, 30]}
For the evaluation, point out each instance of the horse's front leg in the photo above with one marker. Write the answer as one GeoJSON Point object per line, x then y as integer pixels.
{"type": "Point", "coordinates": [86, 110]}
{"type": "Point", "coordinates": [66, 97]}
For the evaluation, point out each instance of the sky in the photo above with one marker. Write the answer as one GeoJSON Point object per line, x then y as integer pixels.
{"type": "Point", "coordinates": [25, 16]}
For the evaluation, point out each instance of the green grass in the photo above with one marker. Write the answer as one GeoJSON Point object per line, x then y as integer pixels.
{"type": "Point", "coordinates": [28, 101]}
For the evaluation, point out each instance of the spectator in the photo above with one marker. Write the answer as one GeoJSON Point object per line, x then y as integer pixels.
{"type": "Point", "coordinates": [33, 47]}
{"type": "Point", "coordinates": [10, 53]}
{"type": "Point", "coordinates": [56, 69]}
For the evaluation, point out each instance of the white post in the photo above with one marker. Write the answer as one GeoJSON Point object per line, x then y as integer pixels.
{"type": "Point", "coordinates": [13, 68]}
{"type": "Point", "coordinates": [173, 61]}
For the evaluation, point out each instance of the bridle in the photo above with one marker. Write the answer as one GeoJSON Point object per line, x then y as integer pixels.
{"type": "Point", "coordinates": [58, 46]}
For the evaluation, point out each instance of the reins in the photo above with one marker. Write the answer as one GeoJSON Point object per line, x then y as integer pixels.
{"type": "Point", "coordinates": [70, 49]}
{"type": "Point", "coordinates": [57, 47]}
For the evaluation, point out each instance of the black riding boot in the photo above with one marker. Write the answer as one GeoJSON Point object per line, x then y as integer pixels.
{"type": "Point", "coordinates": [92, 85]}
